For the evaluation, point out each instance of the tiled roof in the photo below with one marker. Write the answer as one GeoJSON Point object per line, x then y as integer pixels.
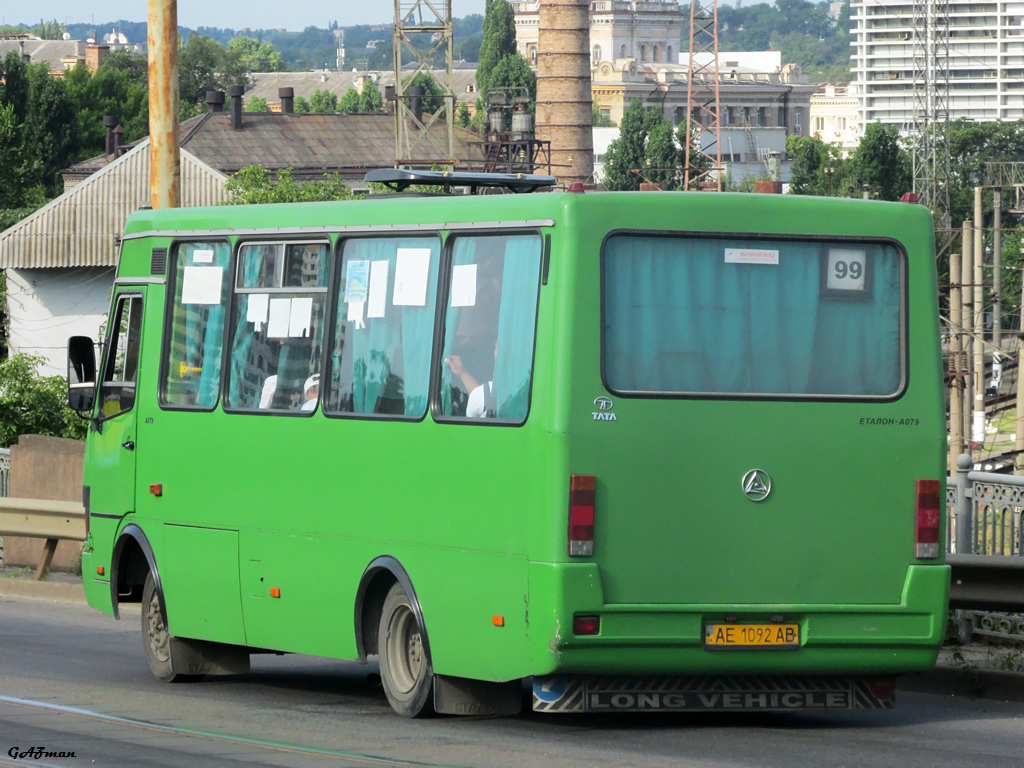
{"type": "Point", "coordinates": [265, 84]}
{"type": "Point", "coordinates": [50, 51]}
{"type": "Point", "coordinates": [311, 145]}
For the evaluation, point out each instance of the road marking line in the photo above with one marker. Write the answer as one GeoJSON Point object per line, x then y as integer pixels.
{"type": "Point", "coordinates": [271, 745]}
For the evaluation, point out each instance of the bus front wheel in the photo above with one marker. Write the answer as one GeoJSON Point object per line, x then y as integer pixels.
{"type": "Point", "coordinates": [405, 667]}
{"type": "Point", "coordinates": [156, 640]}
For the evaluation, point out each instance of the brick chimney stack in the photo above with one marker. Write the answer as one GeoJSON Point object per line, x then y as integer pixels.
{"type": "Point", "coordinates": [95, 53]}
{"type": "Point", "coordinates": [109, 123]}
{"type": "Point", "coordinates": [287, 97]}
{"type": "Point", "coordinates": [564, 102]}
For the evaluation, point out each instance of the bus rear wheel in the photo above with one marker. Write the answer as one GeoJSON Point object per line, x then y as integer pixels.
{"type": "Point", "coordinates": [405, 668]}
{"type": "Point", "coordinates": [156, 640]}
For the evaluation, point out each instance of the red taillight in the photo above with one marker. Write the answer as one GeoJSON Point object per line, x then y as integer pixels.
{"type": "Point", "coordinates": [581, 516]}
{"type": "Point", "coordinates": [927, 519]}
{"type": "Point", "coordinates": [586, 625]}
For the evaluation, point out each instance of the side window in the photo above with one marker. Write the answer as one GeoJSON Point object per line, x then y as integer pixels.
{"type": "Point", "coordinates": [192, 357]}
{"type": "Point", "coordinates": [384, 330]}
{"type": "Point", "coordinates": [490, 325]}
{"type": "Point", "coordinates": [121, 366]}
{"type": "Point", "coordinates": [277, 326]}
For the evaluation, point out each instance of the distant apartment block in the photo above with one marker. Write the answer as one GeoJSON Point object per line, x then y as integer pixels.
{"type": "Point", "coordinates": [986, 60]}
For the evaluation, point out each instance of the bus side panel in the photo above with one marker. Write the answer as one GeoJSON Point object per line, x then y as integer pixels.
{"type": "Point", "coordinates": [199, 570]}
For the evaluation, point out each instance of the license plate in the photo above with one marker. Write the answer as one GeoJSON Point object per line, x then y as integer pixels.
{"type": "Point", "coordinates": [751, 636]}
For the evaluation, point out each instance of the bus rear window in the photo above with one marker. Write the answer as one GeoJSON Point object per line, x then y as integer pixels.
{"type": "Point", "coordinates": [752, 317]}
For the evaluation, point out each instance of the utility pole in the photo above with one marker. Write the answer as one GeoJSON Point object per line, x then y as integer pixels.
{"type": "Point", "coordinates": [997, 269]}
{"type": "Point", "coordinates": [967, 313]}
{"type": "Point", "coordinates": [978, 432]}
{"type": "Point", "coordinates": [164, 138]}
{"type": "Point", "coordinates": [956, 363]}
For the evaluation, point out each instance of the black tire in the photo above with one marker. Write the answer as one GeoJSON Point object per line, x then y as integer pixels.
{"type": "Point", "coordinates": [405, 668]}
{"type": "Point", "coordinates": [156, 640]}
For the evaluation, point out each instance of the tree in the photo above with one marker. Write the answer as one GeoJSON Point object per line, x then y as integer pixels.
{"type": "Point", "coordinates": [253, 186]}
{"type": "Point", "coordinates": [200, 64]}
{"type": "Point", "coordinates": [628, 153]}
{"type": "Point", "coordinates": [108, 91]}
{"type": "Point", "coordinates": [514, 71]}
{"type": "Point", "coordinates": [662, 156]}
{"type": "Point", "coordinates": [257, 104]}
{"type": "Point", "coordinates": [600, 121]}
{"type": "Point", "coordinates": [253, 56]}
{"type": "Point", "coordinates": [301, 105]}
{"type": "Point", "coordinates": [818, 168]}
{"type": "Point", "coordinates": [433, 94]}
{"type": "Point", "coordinates": [499, 40]}
{"type": "Point", "coordinates": [50, 132]}
{"type": "Point", "coordinates": [881, 163]}
{"type": "Point", "coordinates": [323, 101]}
{"type": "Point", "coordinates": [462, 115]}
{"type": "Point", "coordinates": [31, 404]}
{"type": "Point", "coordinates": [349, 102]}
{"type": "Point", "coordinates": [370, 100]}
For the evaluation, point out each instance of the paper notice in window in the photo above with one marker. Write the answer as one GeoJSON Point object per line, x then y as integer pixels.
{"type": "Point", "coordinates": [356, 313]}
{"type": "Point", "coordinates": [378, 300]}
{"type": "Point", "coordinates": [280, 315]}
{"type": "Point", "coordinates": [201, 285]}
{"type": "Point", "coordinates": [464, 285]}
{"type": "Point", "coordinates": [357, 275]}
{"type": "Point", "coordinates": [412, 269]}
{"type": "Point", "coordinates": [750, 256]}
{"type": "Point", "coordinates": [202, 257]}
{"type": "Point", "coordinates": [256, 311]}
{"type": "Point", "coordinates": [301, 318]}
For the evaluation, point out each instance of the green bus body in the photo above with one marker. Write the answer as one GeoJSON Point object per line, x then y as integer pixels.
{"type": "Point", "coordinates": [476, 514]}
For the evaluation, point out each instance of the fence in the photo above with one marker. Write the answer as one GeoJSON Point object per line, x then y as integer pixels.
{"type": "Point", "coordinates": [985, 518]}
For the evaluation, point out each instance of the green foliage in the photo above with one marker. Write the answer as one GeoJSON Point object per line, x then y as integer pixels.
{"type": "Point", "coordinates": [600, 121]}
{"type": "Point", "coordinates": [324, 101]}
{"type": "Point", "coordinates": [254, 185]}
{"type": "Point", "coordinates": [371, 100]}
{"type": "Point", "coordinates": [257, 104]}
{"type": "Point", "coordinates": [627, 154]}
{"type": "Point", "coordinates": [200, 64]}
{"type": "Point", "coordinates": [514, 71]}
{"type": "Point", "coordinates": [499, 41]}
{"type": "Point", "coordinates": [349, 102]}
{"type": "Point", "coordinates": [818, 168]}
{"type": "Point", "coordinates": [121, 91]}
{"type": "Point", "coordinates": [662, 156]}
{"type": "Point", "coordinates": [49, 30]}
{"type": "Point", "coordinates": [250, 55]}
{"type": "Point", "coordinates": [31, 404]}
{"type": "Point", "coordinates": [301, 105]}
{"type": "Point", "coordinates": [462, 115]}
{"type": "Point", "coordinates": [433, 94]}
{"type": "Point", "coordinates": [881, 163]}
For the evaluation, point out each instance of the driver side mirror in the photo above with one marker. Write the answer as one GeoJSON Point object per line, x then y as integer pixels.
{"type": "Point", "coordinates": [81, 374]}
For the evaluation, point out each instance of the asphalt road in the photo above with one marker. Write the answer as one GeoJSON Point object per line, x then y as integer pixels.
{"type": "Point", "coordinates": [74, 680]}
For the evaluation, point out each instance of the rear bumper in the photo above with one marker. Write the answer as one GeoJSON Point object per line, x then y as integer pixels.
{"type": "Point", "coordinates": [668, 639]}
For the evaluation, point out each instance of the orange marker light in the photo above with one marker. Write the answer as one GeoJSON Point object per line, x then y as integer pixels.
{"type": "Point", "coordinates": [275, 591]}
{"type": "Point", "coordinates": [499, 621]}
{"type": "Point", "coordinates": [99, 570]}
{"type": "Point", "coordinates": [157, 489]}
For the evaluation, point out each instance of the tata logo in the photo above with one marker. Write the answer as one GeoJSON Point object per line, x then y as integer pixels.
{"type": "Point", "coordinates": [604, 407]}
{"type": "Point", "coordinates": [757, 485]}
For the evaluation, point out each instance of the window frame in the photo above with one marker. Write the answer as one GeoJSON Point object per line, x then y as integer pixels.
{"type": "Point", "coordinates": [822, 240]}
{"type": "Point", "coordinates": [321, 237]}
{"type": "Point", "coordinates": [335, 290]}
{"type": "Point", "coordinates": [128, 295]}
{"type": "Point", "coordinates": [165, 341]}
{"type": "Point", "coordinates": [440, 329]}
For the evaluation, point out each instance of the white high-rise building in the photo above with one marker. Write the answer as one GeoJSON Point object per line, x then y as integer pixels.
{"type": "Point", "coordinates": [985, 64]}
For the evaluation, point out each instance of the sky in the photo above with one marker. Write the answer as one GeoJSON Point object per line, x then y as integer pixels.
{"type": "Point", "coordinates": [234, 14]}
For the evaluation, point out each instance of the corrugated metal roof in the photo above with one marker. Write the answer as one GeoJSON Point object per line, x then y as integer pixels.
{"type": "Point", "coordinates": [80, 228]}
{"type": "Point", "coordinates": [50, 51]}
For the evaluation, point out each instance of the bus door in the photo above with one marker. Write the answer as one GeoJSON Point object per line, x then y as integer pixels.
{"type": "Point", "coordinates": [112, 452]}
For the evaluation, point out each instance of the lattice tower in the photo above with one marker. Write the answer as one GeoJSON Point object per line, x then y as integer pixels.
{"type": "Point", "coordinates": [930, 152]}
{"type": "Point", "coordinates": [704, 104]}
{"type": "Point", "coordinates": [436, 129]}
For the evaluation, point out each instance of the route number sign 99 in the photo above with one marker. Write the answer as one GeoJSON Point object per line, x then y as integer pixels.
{"type": "Point", "coordinates": [847, 269]}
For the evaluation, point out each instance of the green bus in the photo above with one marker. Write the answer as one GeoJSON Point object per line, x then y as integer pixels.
{"type": "Point", "coordinates": [665, 451]}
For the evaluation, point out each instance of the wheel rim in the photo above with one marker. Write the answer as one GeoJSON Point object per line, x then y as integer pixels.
{"type": "Point", "coordinates": [156, 630]}
{"type": "Point", "coordinates": [404, 647]}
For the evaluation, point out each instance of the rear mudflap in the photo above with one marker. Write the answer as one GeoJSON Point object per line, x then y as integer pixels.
{"type": "Point", "coordinates": [605, 693]}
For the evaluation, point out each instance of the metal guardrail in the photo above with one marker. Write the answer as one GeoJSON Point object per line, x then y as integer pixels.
{"type": "Point", "coordinates": [986, 549]}
{"type": "Point", "coordinates": [39, 519]}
